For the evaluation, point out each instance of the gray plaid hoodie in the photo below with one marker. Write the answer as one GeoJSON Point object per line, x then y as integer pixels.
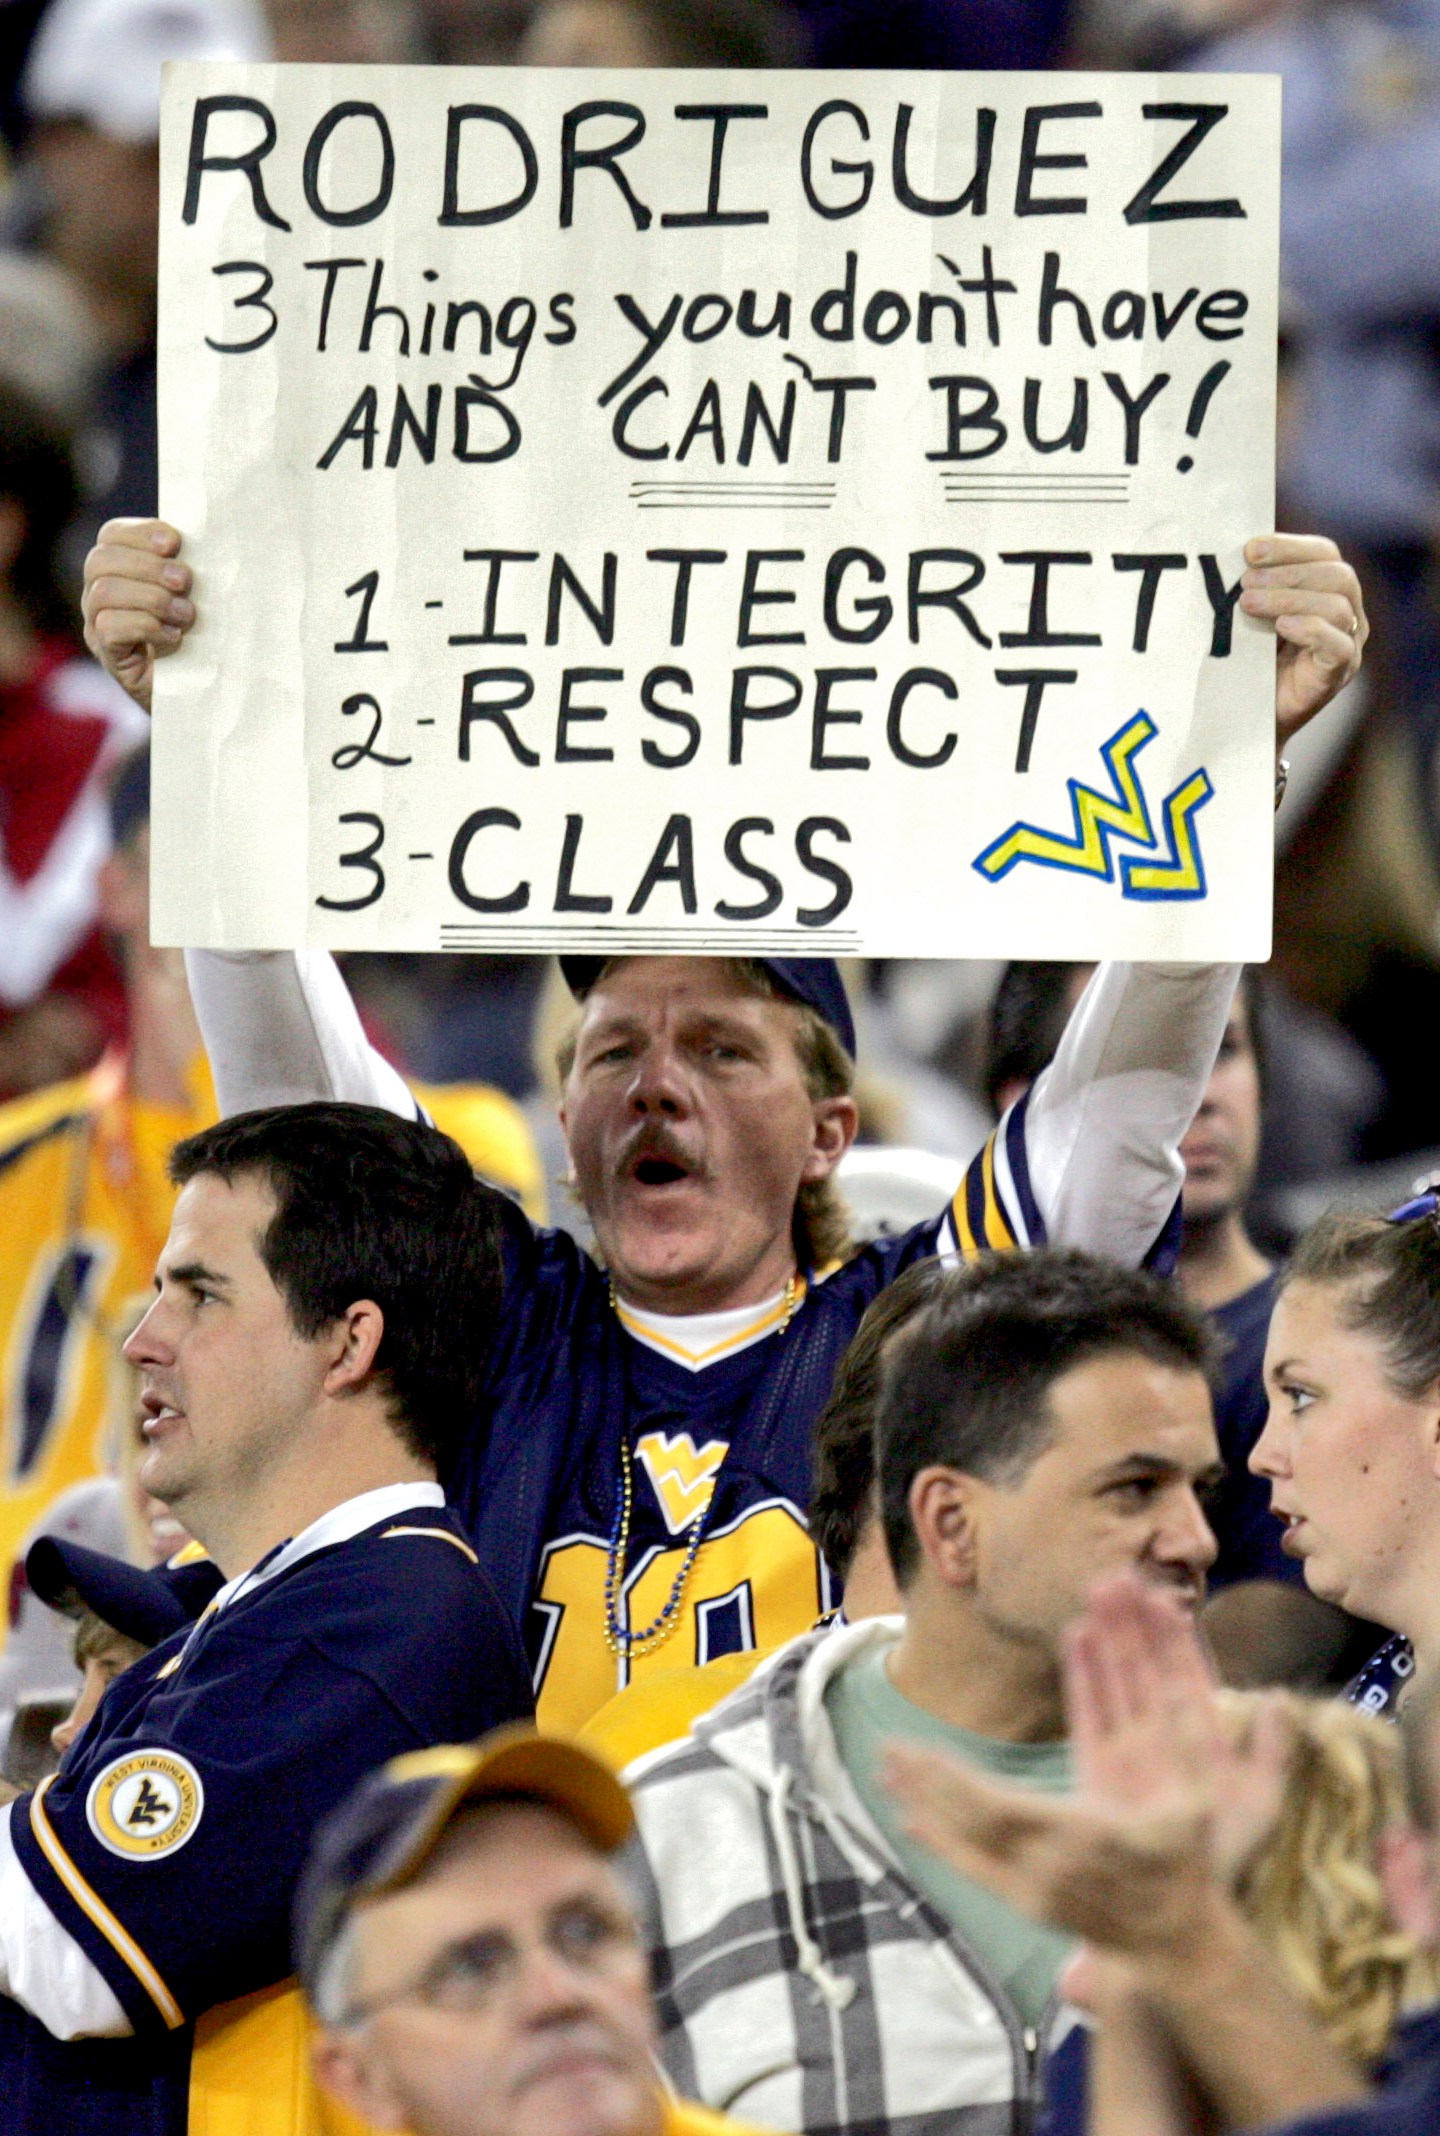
{"type": "Point", "coordinates": [801, 1979]}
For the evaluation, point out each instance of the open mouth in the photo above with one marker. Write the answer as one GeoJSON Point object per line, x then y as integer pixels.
{"type": "Point", "coordinates": [155, 1413]}
{"type": "Point", "coordinates": [657, 1172]}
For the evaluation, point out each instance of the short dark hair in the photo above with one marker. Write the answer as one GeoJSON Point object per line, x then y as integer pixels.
{"type": "Point", "coordinates": [368, 1205]}
{"type": "Point", "coordinates": [967, 1385]}
{"type": "Point", "coordinates": [1032, 1006]}
{"type": "Point", "coordinates": [842, 1496]}
{"type": "Point", "coordinates": [1027, 1022]}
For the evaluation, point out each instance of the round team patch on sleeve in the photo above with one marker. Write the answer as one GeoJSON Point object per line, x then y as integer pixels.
{"type": "Point", "coordinates": [145, 1804]}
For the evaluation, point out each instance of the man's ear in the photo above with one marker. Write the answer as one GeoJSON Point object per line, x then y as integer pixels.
{"type": "Point", "coordinates": [837, 1122]}
{"type": "Point", "coordinates": [356, 1339]}
{"type": "Point", "coordinates": [567, 1177]}
{"type": "Point", "coordinates": [1408, 1879]}
{"type": "Point", "coordinates": [944, 1504]}
{"type": "Point", "coordinates": [347, 2066]}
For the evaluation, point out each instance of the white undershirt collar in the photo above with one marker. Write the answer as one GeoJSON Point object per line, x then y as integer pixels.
{"type": "Point", "coordinates": [351, 1517]}
{"type": "Point", "coordinates": [696, 1340]}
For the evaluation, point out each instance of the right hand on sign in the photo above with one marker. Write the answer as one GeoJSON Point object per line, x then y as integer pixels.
{"type": "Point", "coordinates": [136, 603]}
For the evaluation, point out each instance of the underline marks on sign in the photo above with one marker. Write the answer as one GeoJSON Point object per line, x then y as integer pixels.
{"type": "Point", "coordinates": [720, 496]}
{"type": "Point", "coordinates": [1042, 486]}
{"type": "Point", "coordinates": [458, 935]}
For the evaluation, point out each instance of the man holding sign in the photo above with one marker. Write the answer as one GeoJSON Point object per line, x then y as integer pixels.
{"type": "Point", "coordinates": [427, 340]}
{"type": "Point", "coordinates": [639, 1473]}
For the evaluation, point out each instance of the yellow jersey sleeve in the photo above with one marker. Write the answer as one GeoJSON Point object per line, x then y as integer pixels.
{"type": "Point", "coordinates": [494, 1134]}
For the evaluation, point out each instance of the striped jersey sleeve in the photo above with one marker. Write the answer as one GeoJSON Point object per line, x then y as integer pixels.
{"type": "Point", "coordinates": [994, 1209]}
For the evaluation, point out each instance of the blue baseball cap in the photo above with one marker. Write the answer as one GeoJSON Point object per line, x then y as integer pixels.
{"type": "Point", "coordinates": [383, 1834]}
{"type": "Point", "coordinates": [814, 980]}
{"type": "Point", "coordinates": [146, 1606]}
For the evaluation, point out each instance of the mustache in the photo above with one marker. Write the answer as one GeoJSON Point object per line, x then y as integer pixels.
{"type": "Point", "coordinates": [652, 1138]}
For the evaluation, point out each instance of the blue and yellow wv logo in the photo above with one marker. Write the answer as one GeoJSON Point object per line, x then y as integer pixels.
{"type": "Point", "coordinates": [682, 1474]}
{"type": "Point", "coordinates": [1175, 869]}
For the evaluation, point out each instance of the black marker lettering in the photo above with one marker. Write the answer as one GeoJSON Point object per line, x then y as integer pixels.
{"type": "Point", "coordinates": [497, 560]}
{"type": "Point", "coordinates": [452, 215]}
{"type": "Point", "coordinates": [1150, 568]}
{"type": "Point", "coordinates": [900, 749]}
{"type": "Point", "coordinates": [1222, 606]}
{"type": "Point", "coordinates": [367, 210]}
{"type": "Point", "coordinates": [572, 715]}
{"type": "Point", "coordinates": [563, 580]}
{"type": "Point", "coordinates": [976, 194]}
{"type": "Point", "coordinates": [1147, 207]}
{"type": "Point", "coordinates": [829, 871]}
{"type": "Point", "coordinates": [567, 897]}
{"type": "Point", "coordinates": [864, 171]}
{"type": "Point", "coordinates": [473, 707]}
{"type": "Point", "coordinates": [1034, 682]}
{"type": "Point", "coordinates": [675, 714]}
{"type": "Point", "coordinates": [483, 820]}
{"type": "Point", "coordinates": [249, 160]}
{"type": "Point", "coordinates": [712, 215]}
{"type": "Point", "coordinates": [673, 861]}
{"type": "Point", "coordinates": [684, 561]}
{"type": "Point", "coordinates": [735, 853]}
{"type": "Point", "coordinates": [573, 158]}
{"type": "Point", "coordinates": [1031, 160]}
{"type": "Point", "coordinates": [741, 708]}
{"type": "Point", "coordinates": [826, 716]}
{"type": "Point", "coordinates": [919, 596]}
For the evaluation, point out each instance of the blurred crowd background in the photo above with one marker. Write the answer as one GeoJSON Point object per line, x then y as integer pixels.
{"type": "Point", "coordinates": [1354, 986]}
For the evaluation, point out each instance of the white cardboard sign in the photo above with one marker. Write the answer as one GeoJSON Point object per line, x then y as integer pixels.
{"type": "Point", "coordinates": [728, 512]}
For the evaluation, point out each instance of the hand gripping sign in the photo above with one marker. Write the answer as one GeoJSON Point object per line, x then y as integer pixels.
{"type": "Point", "coordinates": [721, 512]}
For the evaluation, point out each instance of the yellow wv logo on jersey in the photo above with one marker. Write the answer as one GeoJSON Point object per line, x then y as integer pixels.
{"type": "Point", "coordinates": [682, 1474]}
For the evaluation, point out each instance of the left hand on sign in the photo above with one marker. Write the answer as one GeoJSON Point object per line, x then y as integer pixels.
{"type": "Point", "coordinates": [1303, 585]}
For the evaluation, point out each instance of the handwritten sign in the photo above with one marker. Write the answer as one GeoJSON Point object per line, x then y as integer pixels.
{"type": "Point", "coordinates": [717, 511]}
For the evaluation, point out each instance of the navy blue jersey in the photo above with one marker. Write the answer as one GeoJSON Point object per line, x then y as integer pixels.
{"type": "Point", "coordinates": [1385, 1678]}
{"type": "Point", "coordinates": [728, 1445]}
{"type": "Point", "coordinates": [170, 1841]}
{"type": "Point", "coordinates": [1247, 1531]}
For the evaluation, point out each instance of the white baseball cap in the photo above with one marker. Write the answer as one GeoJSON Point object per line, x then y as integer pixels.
{"type": "Point", "coordinates": [100, 60]}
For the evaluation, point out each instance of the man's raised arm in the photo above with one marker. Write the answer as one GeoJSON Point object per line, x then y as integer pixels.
{"type": "Point", "coordinates": [1104, 1123]}
{"type": "Point", "coordinates": [1092, 1158]}
{"type": "Point", "coordinates": [280, 1028]}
